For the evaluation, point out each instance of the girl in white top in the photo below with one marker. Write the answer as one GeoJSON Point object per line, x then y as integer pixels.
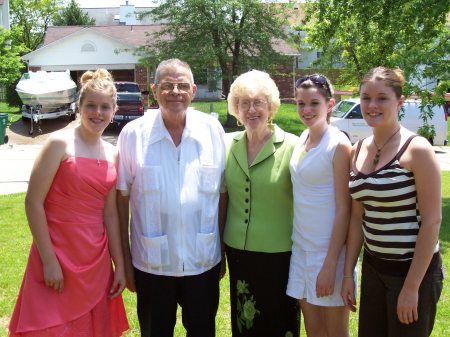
{"type": "Point", "coordinates": [320, 174]}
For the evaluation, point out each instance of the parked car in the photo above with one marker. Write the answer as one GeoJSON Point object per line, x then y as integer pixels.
{"type": "Point", "coordinates": [129, 101]}
{"type": "Point", "coordinates": [347, 117]}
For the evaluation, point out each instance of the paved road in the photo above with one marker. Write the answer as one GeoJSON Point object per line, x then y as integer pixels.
{"type": "Point", "coordinates": [16, 162]}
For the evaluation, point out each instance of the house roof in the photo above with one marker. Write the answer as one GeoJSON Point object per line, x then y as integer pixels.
{"type": "Point", "coordinates": [134, 36]}
{"type": "Point", "coordinates": [1, 2]}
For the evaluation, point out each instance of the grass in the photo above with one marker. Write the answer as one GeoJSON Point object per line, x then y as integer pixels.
{"type": "Point", "coordinates": [15, 240]}
{"type": "Point", "coordinates": [13, 112]}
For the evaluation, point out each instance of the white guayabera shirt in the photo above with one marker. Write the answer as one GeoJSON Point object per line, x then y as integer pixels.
{"type": "Point", "coordinates": [174, 193]}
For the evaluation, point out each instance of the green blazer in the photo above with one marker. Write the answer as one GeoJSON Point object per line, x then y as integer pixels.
{"type": "Point", "coordinates": [260, 203]}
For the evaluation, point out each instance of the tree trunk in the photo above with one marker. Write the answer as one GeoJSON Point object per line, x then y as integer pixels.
{"type": "Point", "coordinates": [226, 83]}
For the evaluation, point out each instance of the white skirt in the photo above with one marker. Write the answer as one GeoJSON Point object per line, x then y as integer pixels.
{"type": "Point", "coordinates": [303, 271]}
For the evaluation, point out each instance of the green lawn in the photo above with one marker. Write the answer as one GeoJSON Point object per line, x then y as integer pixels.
{"type": "Point", "coordinates": [15, 239]}
{"type": "Point", "coordinates": [13, 112]}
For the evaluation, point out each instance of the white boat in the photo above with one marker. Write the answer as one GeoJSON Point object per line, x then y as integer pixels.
{"type": "Point", "coordinates": [47, 90]}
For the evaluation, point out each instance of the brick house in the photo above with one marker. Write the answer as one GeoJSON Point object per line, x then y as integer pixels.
{"type": "Point", "coordinates": [111, 44]}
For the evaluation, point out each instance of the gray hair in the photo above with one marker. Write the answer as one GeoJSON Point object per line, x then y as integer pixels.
{"type": "Point", "coordinates": [171, 63]}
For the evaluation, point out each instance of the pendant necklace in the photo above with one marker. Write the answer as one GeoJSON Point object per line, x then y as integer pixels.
{"type": "Point", "coordinates": [99, 153]}
{"type": "Point", "coordinates": [376, 159]}
{"type": "Point", "coordinates": [99, 150]}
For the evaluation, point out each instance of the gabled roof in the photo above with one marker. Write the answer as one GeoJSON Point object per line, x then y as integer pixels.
{"type": "Point", "coordinates": [133, 36]}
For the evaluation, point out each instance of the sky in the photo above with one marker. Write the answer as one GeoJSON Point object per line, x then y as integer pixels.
{"type": "Point", "coordinates": [113, 3]}
{"type": "Point", "coordinates": [117, 3]}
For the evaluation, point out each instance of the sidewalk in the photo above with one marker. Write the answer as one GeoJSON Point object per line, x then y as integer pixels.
{"type": "Point", "coordinates": [16, 162]}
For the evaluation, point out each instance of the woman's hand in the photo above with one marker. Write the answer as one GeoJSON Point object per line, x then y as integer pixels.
{"type": "Point", "coordinates": [53, 276]}
{"type": "Point", "coordinates": [408, 299]}
{"type": "Point", "coordinates": [348, 293]}
{"type": "Point", "coordinates": [325, 281]}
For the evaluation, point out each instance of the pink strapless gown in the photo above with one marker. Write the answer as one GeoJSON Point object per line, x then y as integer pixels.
{"type": "Point", "coordinates": [74, 208]}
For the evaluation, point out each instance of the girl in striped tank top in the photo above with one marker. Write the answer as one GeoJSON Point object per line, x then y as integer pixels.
{"type": "Point", "coordinates": [396, 214]}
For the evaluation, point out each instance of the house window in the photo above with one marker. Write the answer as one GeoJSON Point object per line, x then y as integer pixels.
{"type": "Point", "coordinates": [88, 47]}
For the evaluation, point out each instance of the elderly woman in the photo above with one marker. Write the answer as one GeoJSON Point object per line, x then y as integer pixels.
{"type": "Point", "coordinates": [257, 201]}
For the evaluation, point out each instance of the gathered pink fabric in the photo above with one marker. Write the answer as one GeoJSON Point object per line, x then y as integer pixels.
{"type": "Point", "coordinates": [74, 208]}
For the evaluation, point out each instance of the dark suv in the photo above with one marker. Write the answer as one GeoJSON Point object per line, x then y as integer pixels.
{"type": "Point", "coordinates": [129, 101]}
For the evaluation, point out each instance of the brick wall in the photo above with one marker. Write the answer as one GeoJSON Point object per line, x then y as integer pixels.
{"type": "Point", "coordinates": [140, 77]}
{"type": "Point", "coordinates": [285, 81]}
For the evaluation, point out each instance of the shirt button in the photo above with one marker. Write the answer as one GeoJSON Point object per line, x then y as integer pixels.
{"type": "Point", "coordinates": [246, 221]}
{"type": "Point", "coordinates": [246, 189]}
{"type": "Point", "coordinates": [246, 211]}
{"type": "Point", "coordinates": [246, 200]}
{"type": "Point", "coordinates": [247, 180]}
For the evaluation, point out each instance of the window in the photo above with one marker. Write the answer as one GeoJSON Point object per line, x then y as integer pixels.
{"type": "Point", "coordinates": [88, 47]}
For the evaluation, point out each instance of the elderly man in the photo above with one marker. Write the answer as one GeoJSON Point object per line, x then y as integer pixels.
{"type": "Point", "coordinates": [170, 169]}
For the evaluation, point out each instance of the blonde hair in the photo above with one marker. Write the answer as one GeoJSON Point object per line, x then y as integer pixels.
{"type": "Point", "coordinates": [100, 80]}
{"type": "Point", "coordinates": [392, 78]}
{"type": "Point", "coordinates": [254, 81]}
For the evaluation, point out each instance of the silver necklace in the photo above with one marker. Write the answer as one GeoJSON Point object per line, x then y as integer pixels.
{"type": "Point", "coordinates": [376, 159]}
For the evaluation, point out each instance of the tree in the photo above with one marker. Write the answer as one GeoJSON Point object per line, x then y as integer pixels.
{"type": "Point", "coordinates": [30, 19]}
{"type": "Point", "coordinates": [10, 63]}
{"type": "Point", "coordinates": [233, 35]}
{"type": "Point", "coordinates": [73, 15]}
{"type": "Point", "coordinates": [410, 34]}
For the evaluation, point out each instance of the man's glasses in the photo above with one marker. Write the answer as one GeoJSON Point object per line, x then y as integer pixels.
{"type": "Point", "coordinates": [318, 80]}
{"type": "Point", "coordinates": [245, 105]}
{"type": "Point", "coordinates": [168, 86]}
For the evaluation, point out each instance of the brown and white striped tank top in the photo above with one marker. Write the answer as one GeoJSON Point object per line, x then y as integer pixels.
{"type": "Point", "coordinates": [391, 218]}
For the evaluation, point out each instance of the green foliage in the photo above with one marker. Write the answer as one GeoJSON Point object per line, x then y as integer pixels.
{"type": "Point", "coordinates": [10, 62]}
{"type": "Point", "coordinates": [73, 15]}
{"type": "Point", "coordinates": [410, 34]}
{"type": "Point", "coordinates": [30, 19]}
{"type": "Point", "coordinates": [366, 34]}
{"type": "Point", "coordinates": [229, 34]}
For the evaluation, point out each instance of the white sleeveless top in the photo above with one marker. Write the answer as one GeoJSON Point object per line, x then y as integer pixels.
{"type": "Point", "coordinates": [314, 191]}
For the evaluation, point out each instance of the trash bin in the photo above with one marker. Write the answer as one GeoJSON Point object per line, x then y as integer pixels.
{"type": "Point", "coordinates": [3, 123]}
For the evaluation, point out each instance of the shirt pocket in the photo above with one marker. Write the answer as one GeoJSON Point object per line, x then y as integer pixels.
{"type": "Point", "coordinates": [209, 179]}
{"type": "Point", "coordinates": [157, 249]}
{"type": "Point", "coordinates": [205, 248]}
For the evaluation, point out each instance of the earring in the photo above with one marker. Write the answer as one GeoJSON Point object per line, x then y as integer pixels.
{"type": "Point", "coordinates": [238, 122]}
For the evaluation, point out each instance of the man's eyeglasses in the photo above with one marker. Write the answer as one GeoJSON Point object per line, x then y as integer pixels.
{"type": "Point", "coordinates": [168, 86]}
{"type": "Point", "coordinates": [318, 80]}
{"type": "Point", "coordinates": [245, 105]}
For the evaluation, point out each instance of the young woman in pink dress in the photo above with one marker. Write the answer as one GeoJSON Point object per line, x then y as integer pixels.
{"type": "Point", "coordinates": [70, 287]}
